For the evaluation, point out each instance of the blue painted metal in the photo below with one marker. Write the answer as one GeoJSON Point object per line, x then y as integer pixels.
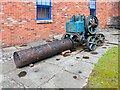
{"type": "Point", "coordinates": [44, 4]}
{"type": "Point", "coordinates": [93, 7]}
{"type": "Point", "coordinates": [92, 24]}
{"type": "Point", "coordinates": [76, 24]}
{"type": "Point", "coordinates": [91, 43]}
{"type": "Point", "coordinates": [82, 30]}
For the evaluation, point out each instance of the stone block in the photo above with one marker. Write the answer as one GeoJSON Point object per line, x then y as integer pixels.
{"type": "Point", "coordinates": [66, 80]}
{"type": "Point", "coordinates": [82, 68]}
{"type": "Point", "coordinates": [9, 83]}
{"type": "Point", "coordinates": [36, 75]}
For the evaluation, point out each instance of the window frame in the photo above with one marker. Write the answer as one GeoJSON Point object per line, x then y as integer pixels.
{"type": "Point", "coordinates": [93, 7]}
{"type": "Point", "coordinates": [44, 6]}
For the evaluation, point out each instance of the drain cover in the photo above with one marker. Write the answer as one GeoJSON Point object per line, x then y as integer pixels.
{"type": "Point", "coordinates": [79, 72]}
{"type": "Point", "coordinates": [94, 52]}
{"type": "Point", "coordinates": [75, 77]}
{"type": "Point", "coordinates": [85, 57]}
{"type": "Point", "coordinates": [104, 47]}
{"type": "Point", "coordinates": [107, 45]}
{"type": "Point", "coordinates": [36, 70]}
{"type": "Point", "coordinates": [22, 73]}
{"type": "Point", "coordinates": [77, 57]}
{"type": "Point", "coordinates": [57, 59]}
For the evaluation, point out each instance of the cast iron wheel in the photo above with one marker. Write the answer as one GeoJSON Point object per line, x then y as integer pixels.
{"type": "Point", "coordinates": [92, 24]}
{"type": "Point", "coordinates": [91, 43]}
{"type": "Point", "coordinates": [65, 36]}
{"type": "Point", "coordinates": [100, 39]}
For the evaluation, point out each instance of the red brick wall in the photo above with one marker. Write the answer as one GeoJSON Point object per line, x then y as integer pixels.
{"type": "Point", "coordinates": [19, 20]}
{"type": "Point", "coordinates": [105, 10]}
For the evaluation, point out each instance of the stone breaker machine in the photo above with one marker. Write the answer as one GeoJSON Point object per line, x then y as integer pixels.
{"type": "Point", "coordinates": [78, 29]}
{"type": "Point", "coordinates": [84, 30]}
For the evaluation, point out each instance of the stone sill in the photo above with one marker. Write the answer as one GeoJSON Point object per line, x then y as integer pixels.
{"type": "Point", "coordinates": [44, 21]}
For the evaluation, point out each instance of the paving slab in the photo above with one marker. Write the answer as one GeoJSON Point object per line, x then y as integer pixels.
{"type": "Point", "coordinates": [1, 75]}
{"type": "Point", "coordinates": [37, 75]}
{"type": "Point", "coordinates": [63, 61]}
{"type": "Point", "coordinates": [58, 37]}
{"type": "Point", "coordinates": [1, 55]}
{"type": "Point", "coordinates": [7, 61]}
{"type": "Point", "coordinates": [99, 50]}
{"type": "Point", "coordinates": [71, 60]}
{"type": "Point", "coordinates": [9, 49]}
{"type": "Point", "coordinates": [58, 59]}
{"type": "Point", "coordinates": [7, 56]}
{"type": "Point", "coordinates": [111, 35]}
{"type": "Point", "coordinates": [36, 43]}
{"type": "Point", "coordinates": [22, 47]}
{"type": "Point", "coordinates": [8, 66]}
{"type": "Point", "coordinates": [82, 68]}
{"type": "Point", "coordinates": [92, 60]}
{"type": "Point", "coordinates": [65, 80]}
{"type": "Point", "coordinates": [9, 83]}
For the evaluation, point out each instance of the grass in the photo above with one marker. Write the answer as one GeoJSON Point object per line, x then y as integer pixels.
{"type": "Point", "coordinates": [105, 72]}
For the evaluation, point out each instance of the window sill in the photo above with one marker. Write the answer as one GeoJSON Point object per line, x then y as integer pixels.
{"type": "Point", "coordinates": [44, 21]}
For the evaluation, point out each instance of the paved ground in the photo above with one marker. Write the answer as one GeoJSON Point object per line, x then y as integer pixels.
{"type": "Point", "coordinates": [68, 72]}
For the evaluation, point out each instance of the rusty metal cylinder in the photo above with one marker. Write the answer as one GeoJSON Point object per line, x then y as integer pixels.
{"type": "Point", "coordinates": [32, 55]}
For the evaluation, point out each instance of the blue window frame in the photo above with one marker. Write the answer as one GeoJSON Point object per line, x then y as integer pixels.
{"type": "Point", "coordinates": [93, 7]}
{"type": "Point", "coordinates": [44, 9]}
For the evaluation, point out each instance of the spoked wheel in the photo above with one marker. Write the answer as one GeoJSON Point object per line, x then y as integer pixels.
{"type": "Point", "coordinates": [65, 36]}
{"type": "Point", "coordinates": [91, 43]}
{"type": "Point", "coordinates": [92, 24]}
{"type": "Point", "coordinates": [100, 38]}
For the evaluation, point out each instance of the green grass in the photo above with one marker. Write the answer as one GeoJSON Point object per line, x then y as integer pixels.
{"type": "Point", "coordinates": [105, 72]}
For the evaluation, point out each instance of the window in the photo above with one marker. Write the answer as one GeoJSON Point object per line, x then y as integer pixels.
{"type": "Point", "coordinates": [93, 7]}
{"type": "Point", "coordinates": [44, 10]}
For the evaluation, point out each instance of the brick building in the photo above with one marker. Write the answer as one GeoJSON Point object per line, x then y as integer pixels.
{"type": "Point", "coordinates": [21, 22]}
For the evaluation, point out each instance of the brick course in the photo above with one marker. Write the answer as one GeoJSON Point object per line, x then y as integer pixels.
{"type": "Point", "coordinates": [19, 19]}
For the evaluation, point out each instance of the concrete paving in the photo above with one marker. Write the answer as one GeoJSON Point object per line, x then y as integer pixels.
{"type": "Point", "coordinates": [56, 72]}
{"type": "Point", "coordinates": [66, 79]}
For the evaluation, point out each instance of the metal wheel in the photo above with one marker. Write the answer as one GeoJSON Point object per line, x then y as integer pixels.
{"type": "Point", "coordinates": [100, 38]}
{"type": "Point", "coordinates": [65, 36]}
{"type": "Point", "coordinates": [92, 24]}
{"type": "Point", "coordinates": [91, 43]}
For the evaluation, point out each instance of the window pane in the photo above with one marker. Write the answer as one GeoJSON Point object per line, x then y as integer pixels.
{"type": "Point", "coordinates": [43, 15]}
{"type": "Point", "coordinates": [48, 2]}
{"type": "Point", "coordinates": [43, 10]}
{"type": "Point", "coordinates": [38, 15]}
{"type": "Point", "coordinates": [47, 10]}
{"type": "Point", "coordinates": [43, 2]}
{"type": "Point", "coordinates": [47, 15]}
{"type": "Point", "coordinates": [38, 12]}
{"type": "Point", "coordinates": [92, 4]}
{"type": "Point", "coordinates": [39, 9]}
{"type": "Point", "coordinates": [39, 2]}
